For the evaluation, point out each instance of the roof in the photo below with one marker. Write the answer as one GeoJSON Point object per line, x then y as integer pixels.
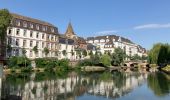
{"type": "Point", "coordinates": [110, 37]}
{"type": "Point", "coordinates": [63, 40]}
{"type": "Point", "coordinates": [91, 47]}
{"type": "Point", "coordinates": [31, 19]}
{"type": "Point", "coordinates": [70, 29]}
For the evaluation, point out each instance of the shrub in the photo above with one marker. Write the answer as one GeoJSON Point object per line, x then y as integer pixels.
{"type": "Point", "coordinates": [105, 60]}
{"type": "Point", "coordinates": [19, 62]}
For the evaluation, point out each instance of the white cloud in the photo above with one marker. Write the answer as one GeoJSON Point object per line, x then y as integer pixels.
{"type": "Point", "coordinates": [151, 26]}
{"type": "Point", "coordinates": [106, 32]}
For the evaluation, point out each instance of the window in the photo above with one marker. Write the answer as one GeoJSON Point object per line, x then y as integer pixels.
{"type": "Point", "coordinates": [42, 44]}
{"type": "Point", "coordinates": [25, 31]}
{"type": "Point", "coordinates": [18, 31]}
{"type": "Point", "coordinates": [10, 31]}
{"type": "Point", "coordinates": [52, 38]}
{"type": "Point", "coordinates": [48, 37]}
{"type": "Point", "coordinates": [24, 24]}
{"type": "Point", "coordinates": [42, 36]}
{"type": "Point", "coordinates": [31, 33]}
{"type": "Point", "coordinates": [31, 53]}
{"type": "Point", "coordinates": [31, 25]}
{"type": "Point", "coordinates": [18, 23]}
{"type": "Point", "coordinates": [31, 42]}
{"type": "Point", "coordinates": [43, 28]}
{"type": "Point", "coordinates": [37, 27]}
{"type": "Point", "coordinates": [9, 40]}
{"type": "Point", "coordinates": [52, 30]}
{"type": "Point", "coordinates": [17, 42]}
{"type": "Point", "coordinates": [24, 43]}
{"type": "Point", "coordinates": [37, 35]}
{"type": "Point", "coordinates": [37, 44]}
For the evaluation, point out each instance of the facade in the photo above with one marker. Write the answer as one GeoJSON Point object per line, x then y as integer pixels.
{"type": "Point", "coordinates": [25, 33]}
{"type": "Point", "coordinates": [110, 42]}
{"type": "Point", "coordinates": [66, 48]}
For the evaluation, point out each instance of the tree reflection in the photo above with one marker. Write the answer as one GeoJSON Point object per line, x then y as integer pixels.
{"type": "Point", "coordinates": [159, 83]}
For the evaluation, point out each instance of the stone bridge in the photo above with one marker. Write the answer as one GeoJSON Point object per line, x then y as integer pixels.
{"type": "Point", "coordinates": [130, 65]}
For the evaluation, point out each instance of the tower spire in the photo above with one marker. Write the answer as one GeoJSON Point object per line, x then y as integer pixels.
{"type": "Point", "coordinates": [69, 32]}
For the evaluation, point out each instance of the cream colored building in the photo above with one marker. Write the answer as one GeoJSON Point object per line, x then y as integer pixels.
{"type": "Point", "coordinates": [25, 33]}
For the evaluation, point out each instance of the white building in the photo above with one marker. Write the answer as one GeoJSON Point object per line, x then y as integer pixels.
{"type": "Point", "coordinates": [66, 48]}
{"type": "Point", "coordinates": [25, 33]}
{"type": "Point", "coordinates": [110, 42]}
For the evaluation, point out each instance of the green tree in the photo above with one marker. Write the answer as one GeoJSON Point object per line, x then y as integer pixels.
{"type": "Point", "coordinates": [105, 60]}
{"type": "Point", "coordinates": [91, 53]}
{"type": "Point", "coordinates": [118, 56]}
{"type": "Point", "coordinates": [35, 49]}
{"type": "Point", "coordinates": [5, 19]}
{"type": "Point", "coordinates": [24, 51]}
{"type": "Point", "coordinates": [135, 57]}
{"type": "Point", "coordinates": [84, 53]}
{"type": "Point", "coordinates": [64, 52]}
{"type": "Point", "coordinates": [159, 54]}
{"type": "Point", "coordinates": [46, 51]}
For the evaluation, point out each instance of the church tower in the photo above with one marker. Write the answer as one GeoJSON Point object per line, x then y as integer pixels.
{"type": "Point", "coordinates": [70, 32]}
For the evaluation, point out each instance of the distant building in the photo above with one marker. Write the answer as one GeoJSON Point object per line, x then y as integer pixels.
{"type": "Point", "coordinates": [109, 42]}
{"type": "Point", "coordinates": [25, 33]}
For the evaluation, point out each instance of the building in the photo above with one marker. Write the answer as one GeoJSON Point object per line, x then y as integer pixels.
{"type": "Point", "coordinates": [66, 48]}
{"type": "Point", "coordinates": [110, 42]}
{"type": "Point", "coordinates": [25, 33]}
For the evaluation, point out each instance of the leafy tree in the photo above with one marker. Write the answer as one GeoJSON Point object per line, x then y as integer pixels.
{"type": "Point", "coordinates": [78, 52]}
{"type": "Point", "coordinates": [35, 49]}
{"type": "Point", "coordinates": [84, 53]}
{"type": "Point", "coordinates": [159, 54]}
{"type": "Point", "coordinates": [19, 61]}
{"type": "Point", "coordinates": [64, 52]}
{"type": "Point", "coordinates": [105, 60]}
{"type": "Point", "coordinates": [135, 57]}
{"type": "Point", "coordinates": [118, 56]}
{"type": "Point", "coordinates": [5, 19]}
{"type": "Point", "coordinates": [91, 53]}
{"type": "Point", "coordinates": [46, 51]}
{"type": "Point", "coordinates": [24, 51]}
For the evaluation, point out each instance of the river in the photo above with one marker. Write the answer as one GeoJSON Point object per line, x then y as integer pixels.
{"type": "Point", "coordinates": [85, 86]}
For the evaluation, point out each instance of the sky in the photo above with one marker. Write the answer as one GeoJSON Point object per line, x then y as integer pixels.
{"type": "Point", "coordinates": [145, 22]}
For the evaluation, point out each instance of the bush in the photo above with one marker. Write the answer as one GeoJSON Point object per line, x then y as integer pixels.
{"type": "Point", "coordinates": [86, 62]}
{"type": "Point", "coordinates": [19, 62]}
{"type": "Point", "coordinates": [105, 60]}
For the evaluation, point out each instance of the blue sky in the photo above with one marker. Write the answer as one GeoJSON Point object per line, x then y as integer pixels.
{"type": "Point", "coordinates": [145, 22]}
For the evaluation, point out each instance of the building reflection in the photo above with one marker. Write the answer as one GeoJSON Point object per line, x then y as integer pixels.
{"type": "Point", "coordinates": [70, 87]}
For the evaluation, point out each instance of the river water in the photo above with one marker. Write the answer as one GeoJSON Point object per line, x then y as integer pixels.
{"type": "Point", "coordinates": [85, 86]}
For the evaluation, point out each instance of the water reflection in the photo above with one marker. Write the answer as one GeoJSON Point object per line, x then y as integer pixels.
{"type": "Point", "coordinates": [69, 86]}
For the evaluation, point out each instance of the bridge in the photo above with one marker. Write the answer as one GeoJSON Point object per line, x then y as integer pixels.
{"type": "Point", "coordinates": [129, 66]}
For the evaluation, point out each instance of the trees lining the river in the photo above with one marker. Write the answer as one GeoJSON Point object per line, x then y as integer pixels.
{"type": "Point", "coordinates": [159, 54]}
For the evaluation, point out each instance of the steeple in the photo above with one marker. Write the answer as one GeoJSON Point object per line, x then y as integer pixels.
{"type": "Point", "coordinates": [70, 31]}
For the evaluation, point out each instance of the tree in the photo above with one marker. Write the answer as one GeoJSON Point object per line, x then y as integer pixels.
{"type": "Point", "coordinates": [5, 19]}
{"type": "Point", "coordinates": [159, 54]}
{"type": "Point", "coordinates": [91, 53]}
{"type": "Point", "coordinates": [136, 57]}
{"type": "Point", "coordinates": [24, 51]}
{"type": "Point", "coordinates": [35, 49]}
{"type": "Point", "coordinates": [105, 60]}
{"type": "Point", "coordinates": [84, 53]}
{"type": "Point", "coordinates": [118, 56]}
{"type": "Point", "coordinates": [46, 51]}
{"type": "Point", "coordinates": [64, 52]}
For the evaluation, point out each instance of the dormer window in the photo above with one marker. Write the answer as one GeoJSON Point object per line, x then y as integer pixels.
{"type": "Point", "coordinates": [24, 24]}
{"type": "Point", "coordinates": [31, 25]}
{"type": "Point", "coordinates": [18, 23]}
{"type": "Point", "coordinates": [37, 27]}
{"type": "Point", "coordinates": [43, 28]}
{"type": "Point", "coordinates": [52, 30]}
